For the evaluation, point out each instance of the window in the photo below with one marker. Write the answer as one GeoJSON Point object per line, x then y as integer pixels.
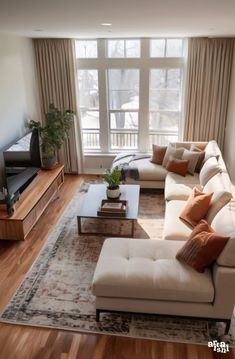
{"type": "Point", "coordinates": [129, 99]}
{"type": "Point", "coordinates": [123, 48]}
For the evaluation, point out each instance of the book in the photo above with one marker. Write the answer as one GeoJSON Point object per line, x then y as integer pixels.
{"type": "Point", "coordinates": [112, 205]}
{"type": "Point", "coordinates": [113, 208]}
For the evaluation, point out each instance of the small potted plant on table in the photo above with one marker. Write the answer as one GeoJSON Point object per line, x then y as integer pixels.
{"type": "Point", "coordinates": [113, 178]}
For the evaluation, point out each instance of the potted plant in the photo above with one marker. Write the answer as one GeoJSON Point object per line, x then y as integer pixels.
{"type": "Point", "coordinates": [113, 178]}
{"type": "Point", "coordinates": [53, 134]}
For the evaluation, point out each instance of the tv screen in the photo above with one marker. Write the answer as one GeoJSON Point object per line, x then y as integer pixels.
{"type": "Point", "coordinates": [22, 162]}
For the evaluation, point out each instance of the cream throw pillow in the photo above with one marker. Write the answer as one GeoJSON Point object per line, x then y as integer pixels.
{"type": "Point", "coordinates": [209, 170]}
{"type": "Point", "coordinates": [172, 152]}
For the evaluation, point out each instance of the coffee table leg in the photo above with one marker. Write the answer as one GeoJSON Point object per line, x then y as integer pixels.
{"type": "Point", "coordinates": [79, 225]}
{"type": "Point", "coordinates": [133, 228]}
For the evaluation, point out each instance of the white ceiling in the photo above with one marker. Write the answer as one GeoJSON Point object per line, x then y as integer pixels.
{"type": "Point", "coordinates": [82, 18]}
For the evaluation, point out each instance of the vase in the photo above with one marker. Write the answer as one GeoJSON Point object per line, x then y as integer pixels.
{"type": "Point", "coordinates": [113, 193]}
{"type": "Point", "coordinates": [49, 163]}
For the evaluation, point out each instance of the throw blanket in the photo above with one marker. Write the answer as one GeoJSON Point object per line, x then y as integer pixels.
{"type": "Point", "coordinates": [123, 163]}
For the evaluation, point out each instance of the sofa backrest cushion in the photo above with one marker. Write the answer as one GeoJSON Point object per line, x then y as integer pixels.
{"type": "Point", "coordinates": [209, 169]}
{"type": "Point", "coordinates": [224, 223]}
{"type": "Point", "coordinates": [219, 200]}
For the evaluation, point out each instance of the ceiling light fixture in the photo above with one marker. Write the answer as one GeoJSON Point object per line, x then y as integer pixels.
{"type": "Point", "coordinates": [106, 24]}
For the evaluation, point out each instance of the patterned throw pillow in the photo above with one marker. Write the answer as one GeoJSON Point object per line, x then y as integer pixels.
{"type": "Point", "coordinates": [200, 159]}
{"type": "Point", "coordinates": [193, 158]}
{"type": "Point", "coordinates": [202, 248]}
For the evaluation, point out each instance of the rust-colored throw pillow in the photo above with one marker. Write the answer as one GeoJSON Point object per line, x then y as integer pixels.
{"type": "Point", "coordinates": [177, 166]}
{"type": "Point", "coordinates": [158, 154]}
{"type": "Point", "coordinates": [196, 207]}
{"type": "Point", "coordinates": [202, 248]}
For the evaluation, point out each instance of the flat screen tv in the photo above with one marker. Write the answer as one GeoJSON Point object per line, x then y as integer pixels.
{"type": "Point", "coordinates": [22, 162]}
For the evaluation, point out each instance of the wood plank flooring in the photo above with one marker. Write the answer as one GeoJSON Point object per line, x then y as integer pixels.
{"type": "Point", "coordinates": [21, 342]}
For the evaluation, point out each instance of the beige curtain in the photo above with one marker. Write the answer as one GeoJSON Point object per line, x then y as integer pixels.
{"type": "Point", "coordinates": [207, 88]}
{"type": "Point", "coordinates": [55, 62]}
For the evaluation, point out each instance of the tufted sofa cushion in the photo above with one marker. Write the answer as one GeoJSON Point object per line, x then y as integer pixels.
{"type": "Point", "coordinates": [147, 269]}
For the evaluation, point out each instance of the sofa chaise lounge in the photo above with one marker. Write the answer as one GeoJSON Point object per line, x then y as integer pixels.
{"type": "Point", "coordinates": [144, 276]}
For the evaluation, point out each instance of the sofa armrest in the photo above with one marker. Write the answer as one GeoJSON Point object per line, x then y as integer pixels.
{"type": "Point", "coordinates": [224, 301]}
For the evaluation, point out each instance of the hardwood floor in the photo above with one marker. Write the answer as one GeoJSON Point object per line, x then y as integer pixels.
{"type": "Point", "coordinates": [21, 342]}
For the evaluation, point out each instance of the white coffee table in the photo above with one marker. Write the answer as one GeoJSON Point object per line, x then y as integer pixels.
{"type": "Point", "coordinates": [92, 202]}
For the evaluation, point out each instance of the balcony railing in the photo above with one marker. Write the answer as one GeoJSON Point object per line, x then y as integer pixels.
{"type": "Point", "coordinates": [122, 139]}
{"type": "Point", "coordinates": [91, 139]}
{"type": "Point", "coordinates": [162, 138]}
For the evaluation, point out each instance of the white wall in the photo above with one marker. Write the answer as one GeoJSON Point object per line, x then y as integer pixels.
{"type": "Point", "coordinates": [19, 100]}
{"type": "Point", "coordinates": [229, 143]}
{"type": "Point", "coordinates": [97, 163]}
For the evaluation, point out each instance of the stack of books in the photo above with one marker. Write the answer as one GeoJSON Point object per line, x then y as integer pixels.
{"type": "Point", "coordinates": [113, 208]}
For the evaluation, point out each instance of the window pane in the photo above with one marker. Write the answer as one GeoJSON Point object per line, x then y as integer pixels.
{"type": "Point", "coordinates": [132, 48]}
{"type": "Point", "coordinates": [86, 48]}
{"type": "Point", "coordinates": [166, 48]}
{"type": "Point", "coordinates": [165, 89]}
{"type": "Point", "coordinates": [165, 78]}
{"type": "Point", "coordinates": [88, 89]}
{"type": "Point", "coordinates": [89, 107]}
{"type": "Point", "coordinates": [123, 48]}
{"type": "Point", "coordinates": [165, 100]}
{"type": "Point", "coordinates": [174, 48]}
{"type": "Point", "coordinates": [125, 120]}
{"type": "Point", "coordinates": [115, 48]}
{"type": "Point", "coordinates": [164, 121]}
{"type": "Point", "coordinates": [157, 48]}
{"type": "Point", "coordinates": [89, 119]}
{"type": "Point", "coordinates": [123, 89]}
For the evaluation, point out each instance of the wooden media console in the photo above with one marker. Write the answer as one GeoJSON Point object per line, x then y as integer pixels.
{"type": "Point", "coordinates": [32, 203]}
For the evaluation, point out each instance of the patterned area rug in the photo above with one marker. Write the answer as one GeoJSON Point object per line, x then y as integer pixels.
{"type": "Point", "coordinates": [56, 292]}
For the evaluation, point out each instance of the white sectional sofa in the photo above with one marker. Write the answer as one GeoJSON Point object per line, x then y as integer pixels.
{"type": "Point", "coordinates": [144, 276]}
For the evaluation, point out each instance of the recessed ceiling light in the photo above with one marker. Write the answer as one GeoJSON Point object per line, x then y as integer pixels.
{"type": "Point", "coordinates": [106, 24]}
{"type": "Point", "coordinates": [38, 30]}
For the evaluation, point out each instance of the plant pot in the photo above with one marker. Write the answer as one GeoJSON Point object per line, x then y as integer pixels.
{"type": "Point", "coordinates": [10, 207]}
{"type": "Point", "coordinates": [49, 163]}
{"type": "Point", "coordinates": [113, 193]}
